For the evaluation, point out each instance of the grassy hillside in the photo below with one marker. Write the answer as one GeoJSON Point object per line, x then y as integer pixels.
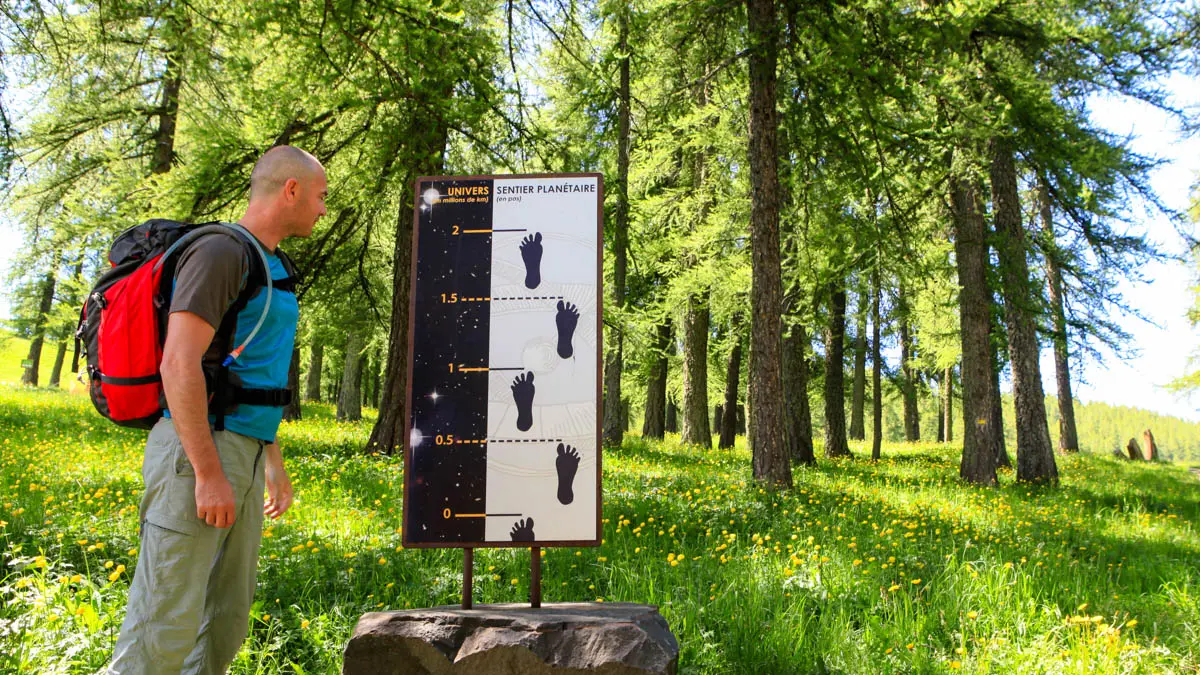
{"type": "Point", "coordinates": [886, 568]}
{"type": "Point", "coordinates": [13, 350]}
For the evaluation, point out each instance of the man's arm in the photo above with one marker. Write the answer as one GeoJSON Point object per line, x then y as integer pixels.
{"type": "Point", "coordinates": [279, 486]}
{"type": "Point", "coordinates": [188, 337]}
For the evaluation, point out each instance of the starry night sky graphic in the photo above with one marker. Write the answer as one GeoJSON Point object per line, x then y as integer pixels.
{"type": "Point", "coordinates": [453, 475]}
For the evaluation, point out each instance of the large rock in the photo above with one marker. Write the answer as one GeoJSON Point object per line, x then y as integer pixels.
{"type": "Point", "coordinates": [559, 639]}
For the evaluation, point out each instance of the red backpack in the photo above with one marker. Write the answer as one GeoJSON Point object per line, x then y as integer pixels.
{"type": "Point", "coordinates": [123, 323]}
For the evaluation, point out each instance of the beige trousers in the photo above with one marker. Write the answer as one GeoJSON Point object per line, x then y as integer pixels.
{"type": "Point", "coordinates": [189, 605]}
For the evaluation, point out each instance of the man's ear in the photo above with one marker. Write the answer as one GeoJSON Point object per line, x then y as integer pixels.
{"type": "Point", "coordinates": [291, 189]}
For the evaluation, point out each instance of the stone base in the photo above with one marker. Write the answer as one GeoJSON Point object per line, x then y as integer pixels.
{"type": "Point", "coordinates": [557, 639]}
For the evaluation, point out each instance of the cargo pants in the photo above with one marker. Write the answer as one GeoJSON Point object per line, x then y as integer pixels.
{"type": "Point", "coordinates": [189, 604]}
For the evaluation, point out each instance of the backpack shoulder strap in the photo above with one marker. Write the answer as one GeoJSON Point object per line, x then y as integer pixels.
{"type": "Point", "coordinates": [289, 283]}
{"type": "Point", "coordinates": [258, 275]}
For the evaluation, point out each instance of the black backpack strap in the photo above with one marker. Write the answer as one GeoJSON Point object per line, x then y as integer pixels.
{"type": "Point", "coordinates": [289, 283]}
{"type": "Point", "coordinates": [222, 394]}
{"type": "Point", "coordinates": [276, 398]}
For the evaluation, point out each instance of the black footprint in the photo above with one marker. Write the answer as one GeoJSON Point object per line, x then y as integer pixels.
{"type": "Point", "coordinates": [567, 464]}
{"type": "Point", "coordinates": [567, 317]}
{"type": "Point", "coordinates": [522, 389]}
{"type": "Point", "coordinates": [522, 530]}
{"type": "Point", "coordinates": [531, 253]}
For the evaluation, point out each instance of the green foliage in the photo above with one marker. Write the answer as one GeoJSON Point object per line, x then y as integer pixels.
{"type": "Point", "coordinates": [866, 568]}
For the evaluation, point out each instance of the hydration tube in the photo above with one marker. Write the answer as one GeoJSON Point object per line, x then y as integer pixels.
{"type": "Point", "coordinates": [225, 227]}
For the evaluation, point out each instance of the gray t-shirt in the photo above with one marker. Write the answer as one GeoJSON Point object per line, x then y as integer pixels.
{"type": "Point", "coordinates": [208, 278]}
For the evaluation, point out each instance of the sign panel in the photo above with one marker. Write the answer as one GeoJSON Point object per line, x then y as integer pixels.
{"type": "Point", "coordinates": [503, 435]}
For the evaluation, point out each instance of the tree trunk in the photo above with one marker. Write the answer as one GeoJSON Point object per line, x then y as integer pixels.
{"type": "Point", "coordinates": [1035, 453]}
{"type": "Point", "coordinates": [614, 431]}
{"type": "Point", "coordinates": [30, 376]}
{"type": "Point", "coordinates": [292, 410]}
{"type": "Point", "coordinates": [908, 376]}
{"type": "Point", "coordinates": [948, 403]}
{"type": "Point", "coordinates": [1149, 447]}
{"type": "Point", "coordinates": [767, 449]}
{"type": "Point", "coordinates": [168, 109]}
{"type": "Point", "coordinates": [795, 383]}
{"type": "Point", "coordinates": [56, 372]}
{"type": "Point", "coordinates": [656, 387]}
{"type": "Point", "coordinates": [941, 413]}
{"type": "Point", "coordinates": [349, 407]}
{"type": "Point", "coordinates": [366, 380]}
{"type": "Point", "coordinates": [876, 370]}
{"type": "Point", "coordinates": [696, 430]}
{"type": "Point", "coordinates": [980, 434]}
{"type": "Point", "coordinates": [858, 397]}
{"type": "Point", "coordinates": [672, 421]}
{"type": "Point", "coordinates": [386, 436]}
{"type": "Point", "coordinates": [316, 360]}
{"type": "Point", "coordinates": [1068, 438]}
{"type": "Point", "coordinates": [729, 410]}
{"type": "Point", "coordinates": [376, 383]}
{"type": "Point", "coordinates": [835, 387]}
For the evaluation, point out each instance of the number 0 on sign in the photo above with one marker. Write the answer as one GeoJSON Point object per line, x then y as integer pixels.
{"type": "Point", "coordinates": [503, 417]}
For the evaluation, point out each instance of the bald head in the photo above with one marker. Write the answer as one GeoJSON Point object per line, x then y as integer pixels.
{"type": "Point", "coordinates": [277, 166]}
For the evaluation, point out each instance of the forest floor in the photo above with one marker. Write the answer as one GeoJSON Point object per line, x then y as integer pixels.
{"type": "Point", "coordinates": [861, 568]}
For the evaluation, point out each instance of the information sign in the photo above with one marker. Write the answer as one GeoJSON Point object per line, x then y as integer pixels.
{"type": "Point", "coordinates": [503, 422]}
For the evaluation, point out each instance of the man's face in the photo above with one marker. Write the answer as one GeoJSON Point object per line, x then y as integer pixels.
{"type": "Point", "coordinates": [311, 203]}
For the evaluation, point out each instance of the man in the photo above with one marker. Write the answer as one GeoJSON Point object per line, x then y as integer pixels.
{"type": "Point", "coordinates": [189, 603]}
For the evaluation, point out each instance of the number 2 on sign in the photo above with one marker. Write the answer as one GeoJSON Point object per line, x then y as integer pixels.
{"type": "Point", "coordinates": [453, 229]}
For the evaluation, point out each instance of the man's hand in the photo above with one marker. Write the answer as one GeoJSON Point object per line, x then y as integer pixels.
{"type": "Point", "coordinates": [279, 486]}
{"type": "Point", "coordinates": [214, 501]}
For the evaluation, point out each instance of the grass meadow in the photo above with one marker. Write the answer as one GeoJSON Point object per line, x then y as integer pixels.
{"type": "Point", "coordinates": [892, 567]}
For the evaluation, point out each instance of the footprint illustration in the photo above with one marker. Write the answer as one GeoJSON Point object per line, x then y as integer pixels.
{"type": "Point", "coordinates": [522, 530]}
{"type": "Point", "coordinates": [567, 464]}
{"type": "Point", "coordinates": [522, 389]}
{"type": "Point", "coordinates": [531, 253]}
{"type": "Point", "coordinates": [567, 317]}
